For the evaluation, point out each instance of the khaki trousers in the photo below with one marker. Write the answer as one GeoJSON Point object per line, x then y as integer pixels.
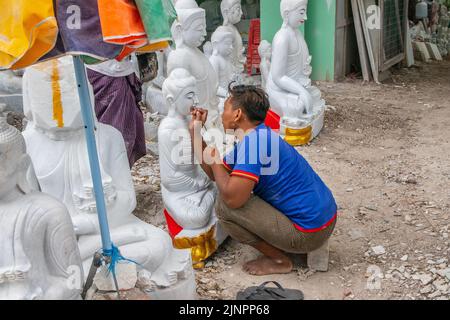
{"type": "Point", "coordinates": [257, 220]}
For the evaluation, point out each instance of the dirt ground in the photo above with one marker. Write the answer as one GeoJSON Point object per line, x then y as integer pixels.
{"type": "Point", "coordinates": [385, 153]}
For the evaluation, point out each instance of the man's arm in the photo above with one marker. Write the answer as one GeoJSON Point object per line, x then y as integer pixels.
{"type": "Point", "coordinates": [234, 191]}
{"type": "Point", "coordinates": [197, 142]}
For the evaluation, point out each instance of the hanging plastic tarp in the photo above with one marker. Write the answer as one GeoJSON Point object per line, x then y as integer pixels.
{"type": "Point", "coordinates": [81, 32]}
{"type": "Point", "coordinates": [121, 23]}
{"type": "Point", "coordinates": [157, 16]}
{"type": "Point", "coordinates": [26, 32]}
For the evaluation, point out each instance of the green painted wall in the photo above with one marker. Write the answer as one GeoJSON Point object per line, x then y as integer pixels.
{"type": "Point", "coordinates": [319, 31]}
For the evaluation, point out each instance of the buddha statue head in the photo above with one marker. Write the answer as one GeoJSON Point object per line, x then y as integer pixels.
{"type": "Point", "coordinates": [231, 11]}
{"type": "Point", "coordinates": [190, 27]}
{"type": "Point", "coordinates": [51, 99]}
{"type": "Point", "coordinates": [180, 92]}
{"type": "Point", "coordinates": [14, 161]}
{"type": "Point", "coordinates": [222, 42]}
{"type": "Point", "coordinates": [294, 12]}
{"type": "Point", "coordinates": [265, 50]}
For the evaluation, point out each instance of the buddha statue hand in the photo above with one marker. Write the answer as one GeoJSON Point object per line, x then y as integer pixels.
{"type": "Point", "coordinates": [86, 202]}
{"type": "Point", "coordinates": [305, 100]}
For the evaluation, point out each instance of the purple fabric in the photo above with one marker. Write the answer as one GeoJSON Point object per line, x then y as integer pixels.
{"type": "Point", "coordinates": [88, 39]}
{"type": "Point", "coordinates": [116, 104]}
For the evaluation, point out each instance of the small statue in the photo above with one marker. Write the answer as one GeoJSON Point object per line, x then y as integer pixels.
{"type": "Point", "coordinates": [232, 14]}
{"type": "Point", "coordinates": [59, 153]}
{"type": "Point", "coordinates": [39, 253]}
{"type": "Point", "coordinates": [289, 85]}
{"type": "Point", "coordinates": [188, 194]}
{"type": "Point", "coordinates": [265, 53]}
{"type": "Point", "coordinates": [153, 95]}
{"type": "Point", "coordinates": [221, 60]}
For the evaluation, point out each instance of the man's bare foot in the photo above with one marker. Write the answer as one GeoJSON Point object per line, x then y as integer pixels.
{"type": "Point", "coordinates": [264, 266]}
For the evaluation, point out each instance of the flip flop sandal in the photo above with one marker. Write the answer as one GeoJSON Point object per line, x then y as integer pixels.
{"type": "Point", "coordinates": [263, 292]}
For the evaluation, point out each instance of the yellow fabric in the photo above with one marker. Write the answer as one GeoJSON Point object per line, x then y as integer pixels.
{"type": "Point", "coordinates": [154, 47]}
{"type": "Point", "coordinates": [28, 30]}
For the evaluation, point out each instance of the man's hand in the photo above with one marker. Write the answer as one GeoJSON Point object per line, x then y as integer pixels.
{"type": "Point", "coordinates": [199, 115]}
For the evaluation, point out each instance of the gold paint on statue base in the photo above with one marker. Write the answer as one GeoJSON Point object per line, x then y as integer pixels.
{"type": "Point", "coordinates": [298, 137]}
{"type": "Point", "coordinates": [202, 246]}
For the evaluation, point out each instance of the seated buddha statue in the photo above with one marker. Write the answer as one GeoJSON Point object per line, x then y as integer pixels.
{"type": "Point", "coordinates": [188, 193]}
{"type": "Point", "coordinates": [37, 242]}
{"type": "Point", "coordinates": [297, 102]}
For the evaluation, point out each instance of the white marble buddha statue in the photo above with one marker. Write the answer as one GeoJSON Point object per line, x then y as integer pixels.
{"type": "Point", "coordinates": [289, 85]}
{"type": "Point", "coordinates": [59, 153]}
{"type": "Point", "coordinates": [208, 49]}
{"type": "Point", "coordinates": [189, 32]}
{"type": "Point", "coordinates": [153, 94]}
{"type": "Point", "coordinates": [221, 59]}
{"type": "Point", "coordinates": [232, 14]}
{"type": "Point", "coordinates": [38, 248]}
{"type": "Point", "coordinates": [265, 53]}
{"type": "Point", "coordinates": [188, 194]}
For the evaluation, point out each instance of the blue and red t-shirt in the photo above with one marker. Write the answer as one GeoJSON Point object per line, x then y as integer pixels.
{"type": "Point", "coordinates": [283, 178]}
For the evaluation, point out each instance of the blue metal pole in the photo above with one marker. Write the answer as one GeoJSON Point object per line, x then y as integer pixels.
{"type": "Point", "coordinates": [88, 118]}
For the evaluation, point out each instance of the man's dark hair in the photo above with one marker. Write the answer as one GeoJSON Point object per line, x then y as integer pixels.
{"type": "Point", "coordinates": [253, 101]}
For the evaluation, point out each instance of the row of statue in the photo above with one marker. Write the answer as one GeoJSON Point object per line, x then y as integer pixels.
{"type": "Point", "coordinates": [48, 217]}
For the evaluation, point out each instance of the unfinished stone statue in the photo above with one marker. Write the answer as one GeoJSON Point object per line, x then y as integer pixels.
{"type": "Point", "coordinates": [265, 52]}
{"type": "Point", "coordinates": [38, 248]}
{"type": "Point", "coordinates": [289, 85]}
{"type": "Point", "coordinates": [221, 60]}
{"type": "Point", "coordinates": [232, 14]}
{"type": "Point", "coordinates": [188, 193]}
{"type": "Point", "coordinates": [56, 143]}
{"type": "Point", "coordinates": [153, 96]}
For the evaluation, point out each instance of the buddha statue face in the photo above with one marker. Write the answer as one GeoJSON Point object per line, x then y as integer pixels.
{"type": "Point", "coordinates": [231, 11]}
{"type": "Point", "coordinates": [190, 27]}
{"type": "Point", "coordinates": [51, 99]}
{"type": "Point", "coordinates": [222, 41]}
{"type": "Point", "coordinates": [294, 12]}
{"type": "Point", "coordinates": [180, 91]}
{"type": "Point", "coordinates": [194, 34]}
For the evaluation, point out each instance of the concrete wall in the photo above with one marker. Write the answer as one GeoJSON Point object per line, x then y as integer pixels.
{"type": "Point", "coordinates": [319, 31]}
